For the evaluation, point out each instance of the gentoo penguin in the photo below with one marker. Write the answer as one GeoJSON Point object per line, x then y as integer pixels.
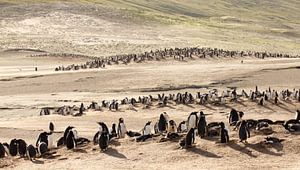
{"type": "Point", "coordinates": [133, 134]}
{"type": "Point", "coordinates": [182, 127]}
{"type": "Point", "coordinates": [70, 140]}
{"type": "Point", "coordinates": [162, 124]}
{"type": "Point", "coordinates": [190, 138]}
{"type": "Point", "coordinates": [21, 147]}
{"type": "Point", "coordinates": [6, 147]}
{"type": "Point", "coordinates": [244, 132]}
{"type": "Point", "coordinates": [146, 133]}
{"type": "Point", "coordinates": [192, 121]}
{"type": "Point", "coordinates": [103, 141]}
{"type": "Point", "coordinates": [13, 147]}
{"type": "Point", "coordinates": [42, 148]}
{"type": "Point", "coordinates": [202, 125]}
{"type": "Point", "coordinates": [172, 127]}
{"type": "Point", "coordinates": [147, 128]}
{"type": "Point", "coordinates": [66, 133]}
{"type": "Point", "coordinates": [102, 128]}
{"type": "Point", "coordinates": [233, 117]}
{"type": "Point", "coordinates": [43, 137]}
{"type": "Point", "coordinates": [31, 152]}
{"type": "Point", "coordinates": [51, 127]}
{"type": "Point", "coordinates": [121, 128]}
{"type": "Point", "coordinates": [224, 133]}
{"type": "Point", "coordinates": [113, 132]}
{"type": "Point", "coordinates": [2, 151]}
{"type": "Point", "coordinates": [297, 117]}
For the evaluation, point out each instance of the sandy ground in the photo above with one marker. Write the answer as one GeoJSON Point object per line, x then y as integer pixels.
{"type": "Point", "coordinates": [24, 92]}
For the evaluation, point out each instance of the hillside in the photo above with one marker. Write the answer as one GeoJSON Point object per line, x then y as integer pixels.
{"type": "Point", "coordinates": [105, 27]}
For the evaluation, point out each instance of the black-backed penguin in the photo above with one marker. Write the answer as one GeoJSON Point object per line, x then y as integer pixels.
{"type": "Point", "coordinates": [43, 137]}
{"type": "Point", "coordinates": [233, 117]}
{"type": "Point", "coordinates": [31, 152]}
{"type": "Point", "coordinates": [70, 140]}
{"type": "Point", "coordinates": [162, 124]}
{"type": "Point", "coordinates": [121, 128]}
{"type": "Point", "coordinates": [113, 132]}
{"type": "Point", "coordinates": [13, 147]}
{"type": "Point", "coordinates": [21, 147]}
{"type": "Point", "coordinates": [2, 151]}
{"type": "Point", "coordinates": [202, 125]}
{"type": "Point", "coordinates": [42, 148]}
{"type": "Point", "coordinates": [224, 133]}
{"type": "Point", "coordinates": [190, 138]}
{"type": "Point", "coordinates": [103, 141]}
{"type": "Point", "coordinates": [244, 132]}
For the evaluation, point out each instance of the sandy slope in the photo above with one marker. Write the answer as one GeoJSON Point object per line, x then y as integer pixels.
{"type": "Point", "coordinates": [21, 99]}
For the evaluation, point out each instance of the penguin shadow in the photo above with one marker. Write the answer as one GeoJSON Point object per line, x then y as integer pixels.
{"type": "Point", "coordinates": [259, 147]}
{"type": "Point", "coordinates": [267, 107]}
{"type": "Point", "coordinates": [213, 138]}
{"type": "Point", "coordinates": [284, 107]}
{"type": "Point", "coordinates": [190, 106]}
{"type": "Point", "coordinates": [79, 150]}
{"type": "Point", "coordinates": [237, 147]}
{"type": "Point", "coordinates": [115, 142]}
{"type": "Point", "coordinates": [241, 103]}
{"type": "Point", "coordinates": [208, 107]}
{"type": "Point", "coordinates": [50, 155]}
{"type": "Point", "coordinates": [35, 161]}
{"type": "Point", "coordinates": [202, 152]}
{"type": "Point", "coordinates": [114, 153]}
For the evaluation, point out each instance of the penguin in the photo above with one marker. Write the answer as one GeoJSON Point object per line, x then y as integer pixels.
{"type": "Point", "coordinates": [103, 141]}
{"type": "Point", "coordinates": [202, 125]}
{"type": "Point", "coordinates": [66, 133]}
{"type": "Point", "coordinates": [113, 132]}
{"type": "Point", "coordinates": [13, 147]}
{"type": "Point", "coordinates": [162, 124]}
{"type": "Point", "coordinates": [190, 138]}
{"type": "Point", "coordinates": [42, 148]}
{"type": "Point", "coordinates": [233, 117]}
{"type": "Point", "coordinates": [43, 137]}
{"type": "Point", "coordinates": [31, 152]}
{"type": "Point", "coordinates": [6, 147]}
{"type": "Point", "coordinates": [2, 151]}
{"type": "Point", "coordinates": [121, 128]}
{"type": "Point", "coordinates": [60, 141]}
{"type": "Point", "coordinates": [133, 134]}
{"type": "Point", "coordinates": [146, 133]}
{"type": "Point", "coordinates": [297, 117]}
{"type": "Point", "coordinates": [172, 127]}
{"type": "Point", "coordinates": [224, 133]}
{"type": "Point", "coordinates": [21, 147]}
{"type": "Point", "coordinates": [192, 121]}
{"type": "Point", "coordinates": [70, 140]}
{"type": "Point", "coordinates": [51, 127]}
{"type": "Point", "coordinates": [182, 127]}
{"type": "Point", "coordinates": [102, 128]}
{"type": "Point", "coordinates": [244, 132]}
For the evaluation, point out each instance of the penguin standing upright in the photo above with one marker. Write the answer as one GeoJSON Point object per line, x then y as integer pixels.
{"type": "Point", "coordinates": [192, 121]}
{"type": "Point", "coordinates": [202, 125]}
{"type": "Point", "coordinates": [13, 147]}
{"type": "Point", "coordinates": [103, 141]}
{"type": "Point", "coordinates": [233, 117]}
{"type": "Point", "coordinates": [2, 151]}
{"type": "Point", "coordinates": [121, 128]}
{"type": "Point", "coordinates": [224, 133]}
{"type": "Point", "coordinates": [113, 132]}
{"type": "Point", "coordinates": [21, 147]}
{"type": "Point", "coordinates": [102, 128]}
{"type": "Point", "coordinates": [31, 152]}
{"type": "Point", "coordinates": [244, 132]}
{"type": "Point", "coordinates": [162, 124]}
{"type": "Point", "coordinates": [70, 140]}
{"type": "Point", "coordinates": [190, 138]}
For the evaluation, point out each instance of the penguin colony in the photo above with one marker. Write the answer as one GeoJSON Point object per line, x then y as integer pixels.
{"type": "Point", "coordinates": [185, 133]}
{"type": "Point", "coordinates": [179, 54]}
{"type": "Point", "coordinates": [213, 97]}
